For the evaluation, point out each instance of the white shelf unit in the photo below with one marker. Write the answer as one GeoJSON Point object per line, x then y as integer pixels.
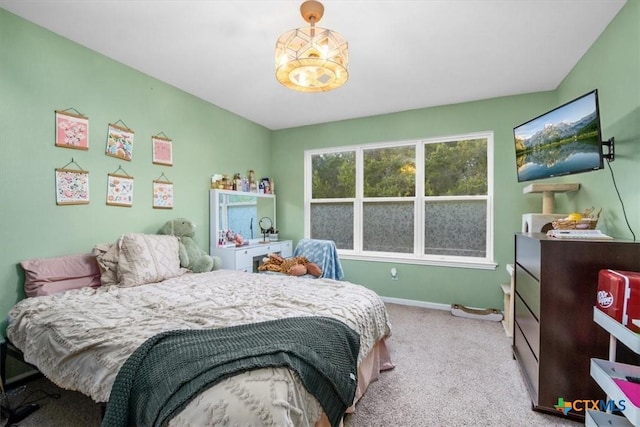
{"type": "Point", "coordinates": [605, 371]}
{"type": "Point", "coordinates": [599, 419]}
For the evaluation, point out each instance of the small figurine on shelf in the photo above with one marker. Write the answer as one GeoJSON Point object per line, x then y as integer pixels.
{"type": "Point", "coordinates": [253, 186]}
{"type": "Point", "coordinates": [227, 239]}
{"type": "Point", "coordinates": [265, 185]}
{"type": "Point", "coordinates": [239, 240]}
{"type": "Point", "coordinates": [225, 182]}
{"type": "Point", "coordinates": [216, 182]}
{"type": "Point", "coordinates": [221, 238]}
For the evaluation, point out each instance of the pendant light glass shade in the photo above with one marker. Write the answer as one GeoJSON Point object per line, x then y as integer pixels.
{"type": "Point", "coordinates": [312, 59]}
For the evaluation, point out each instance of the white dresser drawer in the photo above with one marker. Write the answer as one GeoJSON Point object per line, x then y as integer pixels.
{"type": "Point", "coordinates": [244, 260]}
{"type": "Point", "coordinates": [283, 248]}
{"type": "Point", "coordinates": [248, 258]}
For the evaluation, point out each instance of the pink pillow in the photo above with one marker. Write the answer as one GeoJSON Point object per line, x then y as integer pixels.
{"type": "Point", "coordinates": [46, 276]}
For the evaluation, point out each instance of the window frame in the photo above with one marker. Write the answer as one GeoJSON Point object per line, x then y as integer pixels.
{"type": "Point", "coordinates": [418, 256]}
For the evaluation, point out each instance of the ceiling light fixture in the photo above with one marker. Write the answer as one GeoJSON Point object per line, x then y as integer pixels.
{"type": "Point", "coordinates": [312, 59]}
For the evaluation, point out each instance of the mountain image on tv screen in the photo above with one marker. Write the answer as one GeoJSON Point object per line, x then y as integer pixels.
{"type": "Point", "coordinates": [563, 141]}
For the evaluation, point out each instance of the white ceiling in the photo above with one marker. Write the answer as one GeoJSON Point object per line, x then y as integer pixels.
{"type": "Point", "coordinates": [403, 54]}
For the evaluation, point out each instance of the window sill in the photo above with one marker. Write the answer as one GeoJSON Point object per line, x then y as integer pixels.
{"type": "Point", "coordinates": [478, 264]}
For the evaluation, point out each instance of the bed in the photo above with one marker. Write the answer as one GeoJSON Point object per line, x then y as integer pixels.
{"type": "Point", "coordinates": [81, 334]}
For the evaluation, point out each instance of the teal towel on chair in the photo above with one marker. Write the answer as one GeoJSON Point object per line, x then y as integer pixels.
{"type": "Point", "coordinates": [323, 253]}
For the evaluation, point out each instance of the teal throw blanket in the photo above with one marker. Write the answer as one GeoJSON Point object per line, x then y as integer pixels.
{"type": "Point", "coordinates": [168, 370]}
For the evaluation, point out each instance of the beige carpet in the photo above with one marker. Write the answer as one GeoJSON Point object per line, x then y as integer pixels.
{"type": "Point", "coordinates": [449, 372]}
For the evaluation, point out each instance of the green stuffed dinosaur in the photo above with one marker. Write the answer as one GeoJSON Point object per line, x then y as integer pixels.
{"type": "Point", "coordinates": [192, 257]}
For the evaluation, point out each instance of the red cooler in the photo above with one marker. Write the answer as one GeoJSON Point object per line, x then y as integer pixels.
{"type": "Point", "coordinates": [619, 296]}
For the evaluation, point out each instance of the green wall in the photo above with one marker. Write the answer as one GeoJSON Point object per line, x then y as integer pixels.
{"type": "Point", "coordinates": [42, 72]}
{"type": "Point", "coordinates": [611, 66]}
{"type": "Point", "coordinates": [476, 288]}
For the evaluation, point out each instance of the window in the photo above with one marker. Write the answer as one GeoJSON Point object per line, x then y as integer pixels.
{"type": "Point", "coordinates": [426, 201]}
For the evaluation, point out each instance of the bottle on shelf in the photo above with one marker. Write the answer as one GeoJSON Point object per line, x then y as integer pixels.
{"type": "Point", "coordinates": [253, 187]}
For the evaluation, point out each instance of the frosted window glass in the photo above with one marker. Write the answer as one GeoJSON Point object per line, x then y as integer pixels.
{"type": "Point", "coordinates": [456, 228]}
{"type": "Point", "coordinates": [388, 227]}
{"type": "Point", "coordinates": [325, 226]}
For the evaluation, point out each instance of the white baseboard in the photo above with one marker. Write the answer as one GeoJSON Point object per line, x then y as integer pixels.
{"type": "Point", "coordinates": [433, 305]}
{"type": "Point", "coordinates": [425, 304]}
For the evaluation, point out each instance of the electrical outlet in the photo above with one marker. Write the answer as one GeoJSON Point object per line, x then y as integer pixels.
{"type": "Point", "coordinates": [394, 274]}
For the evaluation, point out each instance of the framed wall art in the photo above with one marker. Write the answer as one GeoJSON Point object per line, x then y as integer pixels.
{"type": "Point", "coordinates": [120, 141]}
{"type": "Point", "coordinates": [72, 130]}
{"type": "Point", "coordinates": [162, 150]}
{"type": "Point", "coordinates": [119, 189]}
{"type": "Point", "coordinates": [162, 194]}
{"type": "Point", "coordinates": [72, 187]}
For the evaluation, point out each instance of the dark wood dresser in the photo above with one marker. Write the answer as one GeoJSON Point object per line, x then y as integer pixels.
{"type": "Point", "coordinates": [555, 336]}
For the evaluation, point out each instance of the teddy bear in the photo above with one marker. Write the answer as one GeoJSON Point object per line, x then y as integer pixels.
{"type": "Point", "coordinates": [295, 266]}
{"type": "Point", "coordinates": [192, 257]}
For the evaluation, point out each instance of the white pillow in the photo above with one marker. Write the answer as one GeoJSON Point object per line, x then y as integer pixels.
{"type": "Point", "coordinates": [147, 258]}
{"type": "Point", "coordinates": [107, 255]}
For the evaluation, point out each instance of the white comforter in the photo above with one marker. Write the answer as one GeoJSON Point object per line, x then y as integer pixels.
{"type": "Point", "coordinates": [80, 339]}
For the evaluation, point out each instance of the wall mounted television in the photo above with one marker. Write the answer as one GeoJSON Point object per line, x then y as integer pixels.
{"type": "Point", "coordinates": [566, 140]}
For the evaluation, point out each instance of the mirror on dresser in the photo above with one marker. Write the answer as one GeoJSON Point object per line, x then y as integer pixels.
{"type": "Point", "coordinates": [241, 212]}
